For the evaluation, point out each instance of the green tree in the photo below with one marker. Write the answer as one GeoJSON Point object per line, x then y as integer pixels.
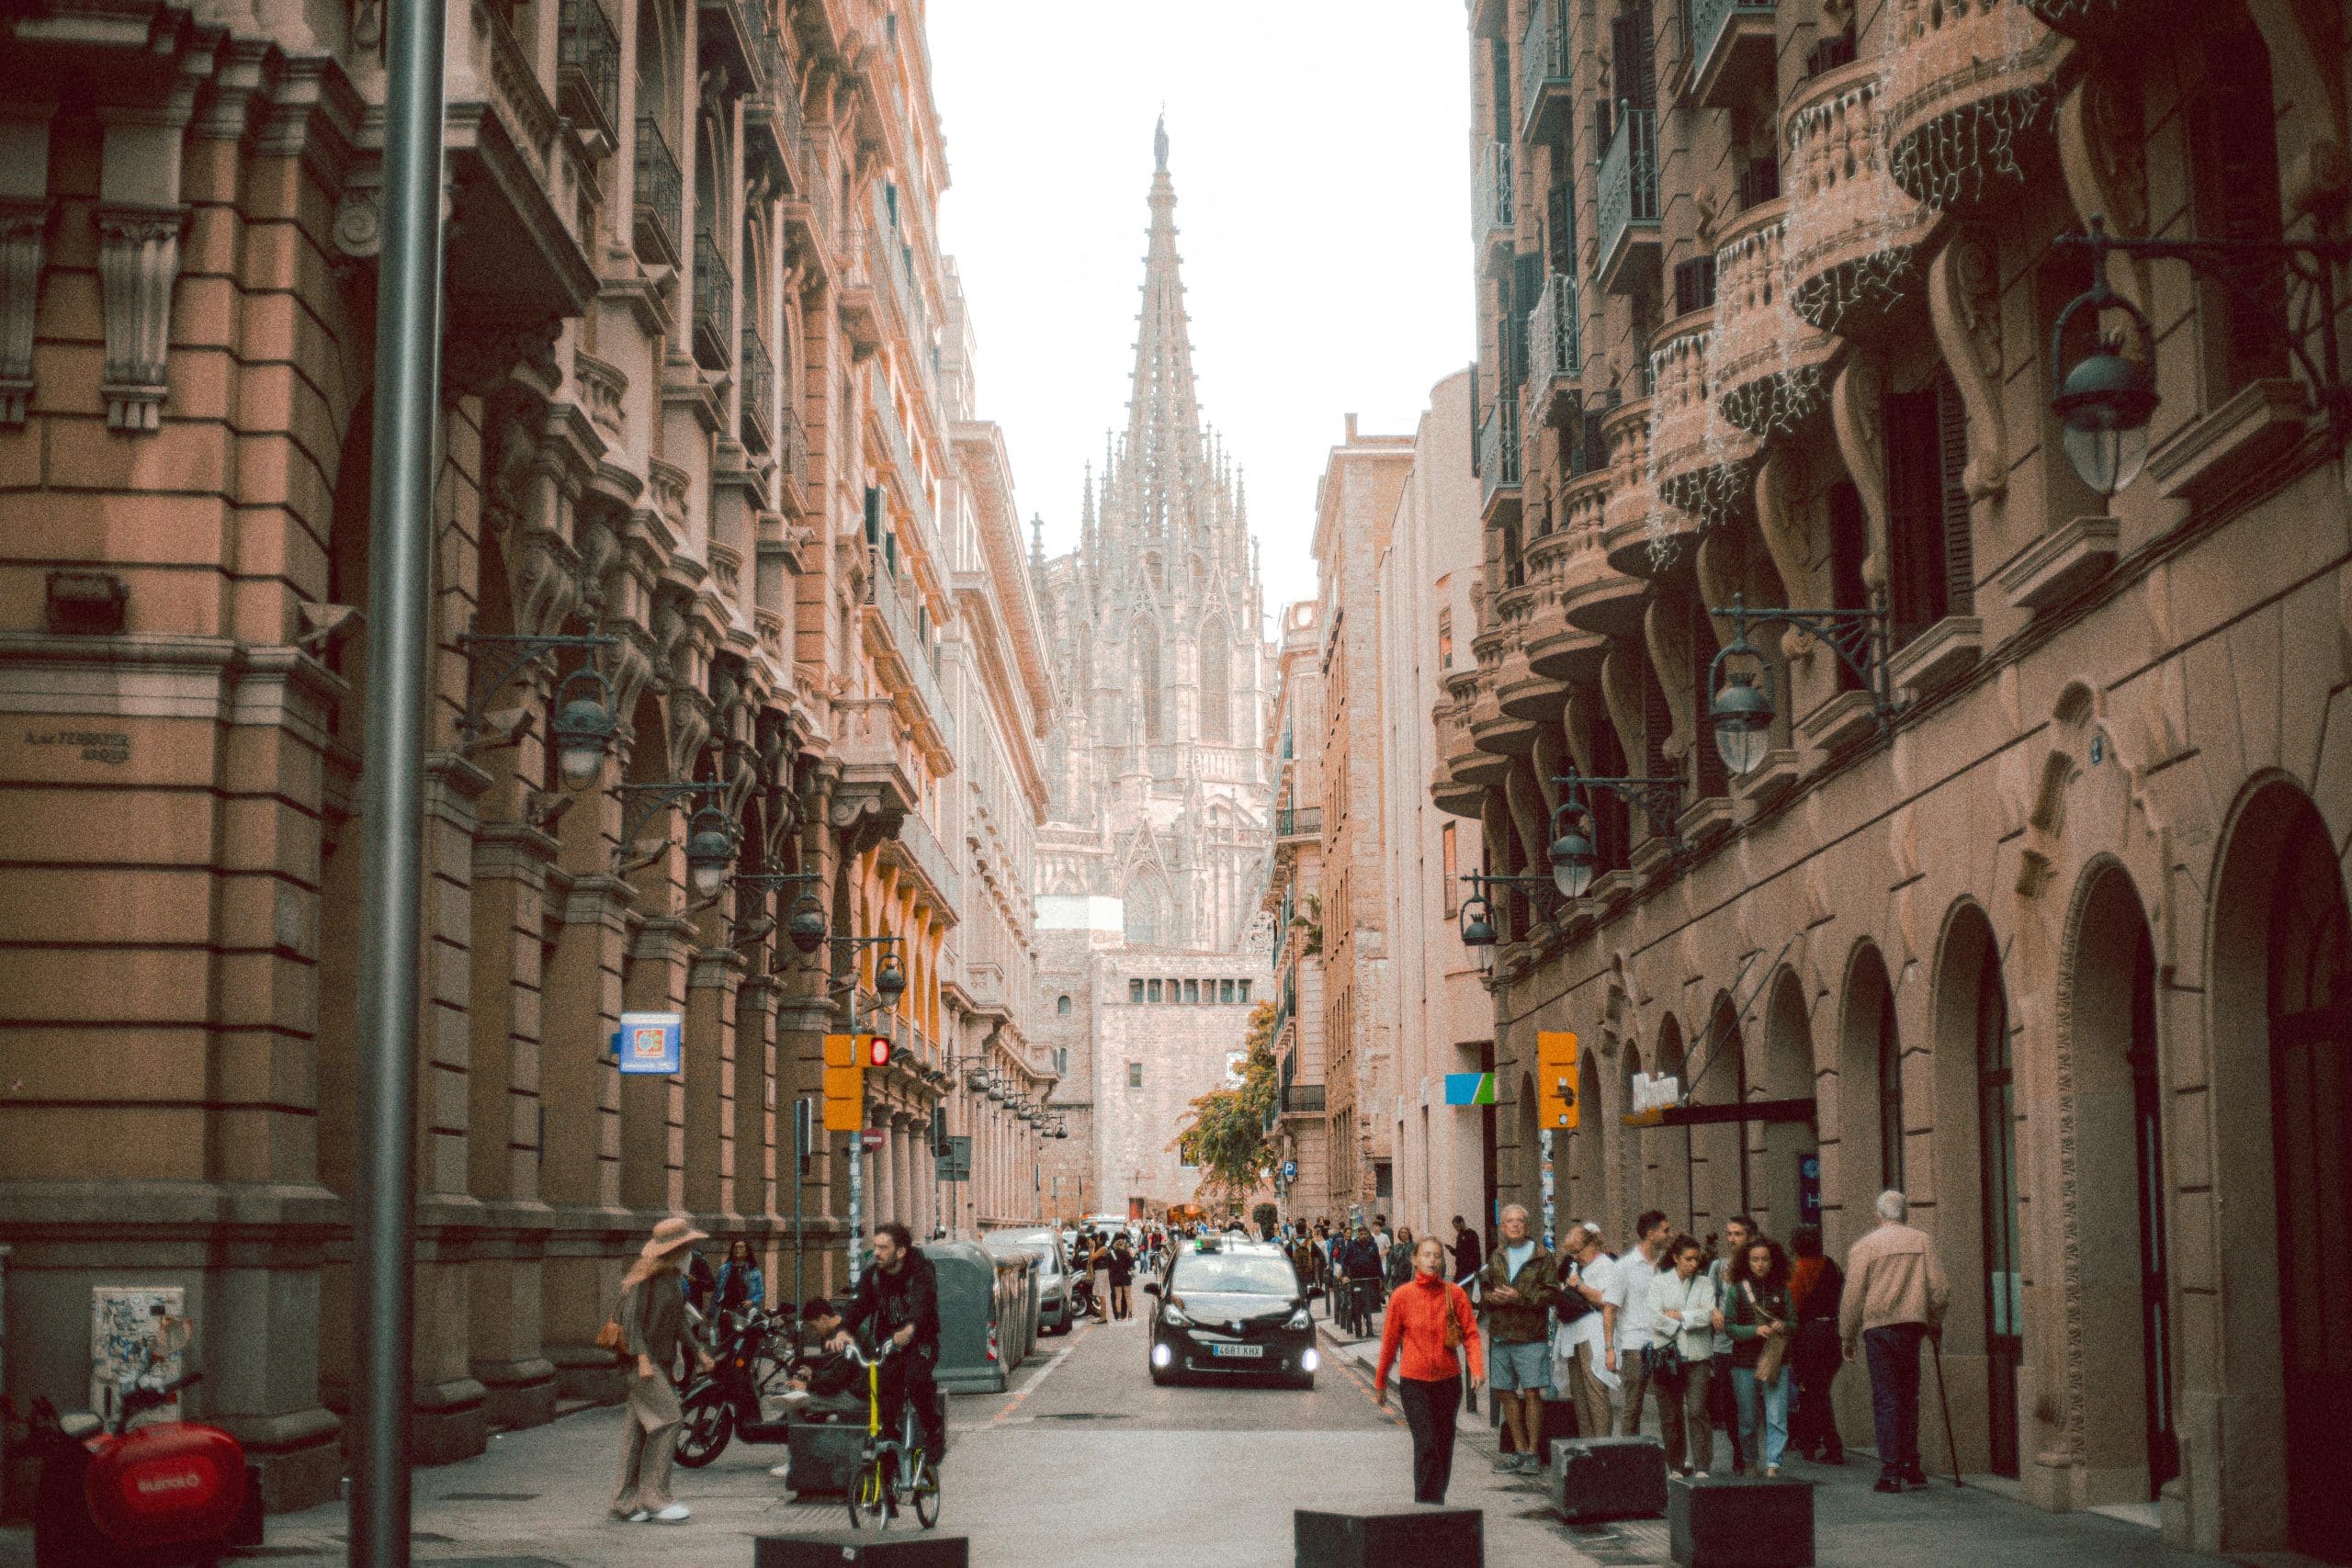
{"type": "Point", "coordinates": [1226, 1134]}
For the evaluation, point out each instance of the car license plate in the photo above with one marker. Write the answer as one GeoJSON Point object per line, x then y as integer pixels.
{"type": "Point", "coordinates": [1245, 1351]}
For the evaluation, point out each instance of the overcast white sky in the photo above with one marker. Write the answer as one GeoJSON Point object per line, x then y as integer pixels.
{"type": "Point", "coordinates": [1319, 151]}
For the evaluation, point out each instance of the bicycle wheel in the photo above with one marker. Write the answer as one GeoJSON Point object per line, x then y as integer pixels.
{"type": "Point", "coordinates": [709, 1422]}
{"type": "Point", "coordinates": [869, 1496]}
{"type": "Point", "coordinates": [926, 1487]}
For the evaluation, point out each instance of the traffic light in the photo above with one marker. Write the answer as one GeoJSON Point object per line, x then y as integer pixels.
{"type": "Point", "coordinates": [876, 1051]}
{"type": "Point", "coordinates": [1556, 1080]}
{"type": "Point", "coordinates": [844, 1085]}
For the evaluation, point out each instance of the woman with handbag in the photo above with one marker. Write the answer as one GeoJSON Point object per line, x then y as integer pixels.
{"type": "Point", "coordinates": [1758, 1318]}
{"type": "Point", "coordinates": [650, 1324]}
{"type": "Point", "coordinates": [1681, 1357]}
{"type": "Point", "coordinates": [1426, 1331]}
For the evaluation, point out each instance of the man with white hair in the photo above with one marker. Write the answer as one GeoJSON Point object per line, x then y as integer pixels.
{"type": "Point", "coordinates": [1896, 1296]}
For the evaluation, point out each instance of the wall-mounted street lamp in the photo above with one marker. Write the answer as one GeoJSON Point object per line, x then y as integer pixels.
{"type": "Point", "coordinates": [585, 723]}
{"type": "Point", "coordinates": [1575, 850]}
{"type": "Point", "coordinates": [710, 832]}
{"type": "Point", "coordinates": [1742, 711]}
{"type": "Point", "coordinates": [2106, 401]}
{"type": "Point", "coordinates": [1477, 922]}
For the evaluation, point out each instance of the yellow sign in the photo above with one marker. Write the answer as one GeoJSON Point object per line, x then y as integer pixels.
{"type": "Point", "coordinates": [844, 1085]}
{"type": "Point", "coordinates": [1556, 1071]}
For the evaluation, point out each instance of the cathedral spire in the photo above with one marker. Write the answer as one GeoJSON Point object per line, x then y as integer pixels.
{"type": "Point", "coordinates": [1163, 409]}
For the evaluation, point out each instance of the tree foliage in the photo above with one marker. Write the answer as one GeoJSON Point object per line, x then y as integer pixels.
{"type": "Point", "coordinates": [1225, 1133]}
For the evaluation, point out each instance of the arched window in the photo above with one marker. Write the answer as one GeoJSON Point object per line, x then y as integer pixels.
{"type": "Point", "coordinates": [1148, 677]}
{"type": "Point", "coordinates": [1217, 682]}
{"type": "Point", "coordinates": [1061, 1006]}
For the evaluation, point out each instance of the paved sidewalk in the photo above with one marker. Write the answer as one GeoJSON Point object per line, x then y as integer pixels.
{"type": "Point", "coordinates": [1854, 1527]}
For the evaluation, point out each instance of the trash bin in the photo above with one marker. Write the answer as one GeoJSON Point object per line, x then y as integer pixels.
{"type": "Point", "coordinates": [971, 1349]}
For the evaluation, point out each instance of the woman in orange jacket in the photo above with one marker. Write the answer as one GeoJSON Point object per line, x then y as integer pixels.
{"type": "Point", "coordinates": [1427, 1326]}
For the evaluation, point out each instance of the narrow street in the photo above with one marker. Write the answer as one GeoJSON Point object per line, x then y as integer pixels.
{"type": "Point", "coordinates": [1084, 1452]}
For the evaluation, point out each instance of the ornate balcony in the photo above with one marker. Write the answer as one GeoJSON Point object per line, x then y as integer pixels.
{"type": "Point", "coordinates": [1625, 520]}
{"type": "Point", "coordinates": [1493, 731]}
{"type": "Point", "coordinates": [796, 487]}
{"type": "Point", "coordinates": [758, 382]}
{"type": "Point", "coordinates": [1555, 350]}
{"type": "Point", "coordinates": [1969, 83]}
{"type": "Point", "coordinates": [588, 70]}
{"type": "Point", "coordinates": [1494, 218]}
{"type": "Point", "coordinates": [1770, 371]}
{"type": "Point", "coordinates": [1469, 771]}
{"type": "Point", "coordinates": [905, 661]}
{"type": "Point", "coordinates": [1627, 197]}
{"type": "Point", "coordinates": [1558, 649]}
{"type": "Point", "coordinates": [1521, 691]}
{"type": "Point", "coordinates": [1298, 822]}
{"type": "Point", "coordinates": [1596, 599]}
{"type": "Point", "coordinates": [661, 197]}
{"type": "Point", "coordinates": [1498, 459]}
{"type": "Point", "coordinates": [1852, 235]}
{"type": "Point", "coordinates": [1545, 106]}
{"type": "Point", "coordinates": [1731, 50]}
{"type": "Point", "coordinates": [713, 305]}
{"type": "Point", "coordinates": [924, 867]}
{"type": "Point", "coordinates": [515, 259]}
{"type": "Point", "coordinates": [1701, 464]}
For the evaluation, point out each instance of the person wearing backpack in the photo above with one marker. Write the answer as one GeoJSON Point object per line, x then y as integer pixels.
{"type": "Point", "coordinates": [1427, 1331]}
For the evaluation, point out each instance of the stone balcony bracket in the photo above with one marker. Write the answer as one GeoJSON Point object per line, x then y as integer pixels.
{"type": "Point", "coordinates": [139, 261]}
{"type": "Point", "coordinates": [2060, 564]}
{"type": "Point", "coordinates": [2217, 452]}
{"type": "Point", "coordinates": [1706, 820]}
{"type": "Point", "coordinates": [1765, 785]}
{"type": "Point", "coordinates": [1839, 723]}
{"type": "Point", "coordinates": [24, 225]}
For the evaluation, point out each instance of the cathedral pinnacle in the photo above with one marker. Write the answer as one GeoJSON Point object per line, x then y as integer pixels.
{"type": "Point", "coordinates": [1160, 142]}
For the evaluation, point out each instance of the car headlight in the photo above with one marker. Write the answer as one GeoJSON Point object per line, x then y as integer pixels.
{"type": "Point", "coordinates": [1173, 1316]}
{"type": "Point", "coordinates": [1300, 1319]}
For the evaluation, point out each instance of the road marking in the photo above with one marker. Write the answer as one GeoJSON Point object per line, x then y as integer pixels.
{"type": "Point", "coordinates": [1043, 1373]}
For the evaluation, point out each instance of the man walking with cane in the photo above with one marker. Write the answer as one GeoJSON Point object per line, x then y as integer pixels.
{"type": "Point", "coordinates": [1896, 1296]}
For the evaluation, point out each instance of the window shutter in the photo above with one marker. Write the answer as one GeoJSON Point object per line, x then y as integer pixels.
{"type": "Point", "coordinates": [2233, 159]}
{"type": "Point", "coordinates": [1959, 546]}
{"type": "Point", "coordinates": [1913, 513]}
{"type": "Point", "coordinates": [1560, 227]}
{"type": "Point", "coordinates": [1657, 722]}
{"type": "Point", "coordinates": [1526, 287]}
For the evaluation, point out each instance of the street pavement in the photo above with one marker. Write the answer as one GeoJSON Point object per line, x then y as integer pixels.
{"type": "Point", "coordinates": [1083, 1458]}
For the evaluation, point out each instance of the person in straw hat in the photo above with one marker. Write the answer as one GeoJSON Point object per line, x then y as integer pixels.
{"type": "Point", "coordinates": [653, 1318]}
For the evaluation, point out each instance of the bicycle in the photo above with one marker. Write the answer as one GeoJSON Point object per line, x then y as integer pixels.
{"type": "Point", "coordinates": [891, 1471]}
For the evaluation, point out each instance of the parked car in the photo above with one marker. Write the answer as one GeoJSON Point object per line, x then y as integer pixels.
{"type": "Point", "coordinates": [1226, 1307]}
{"type": "Point", "coordinates": [1054, 1312]}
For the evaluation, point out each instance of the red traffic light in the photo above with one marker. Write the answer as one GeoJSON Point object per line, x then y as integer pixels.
{"type": "Point", "coordinates": [877, 1051]}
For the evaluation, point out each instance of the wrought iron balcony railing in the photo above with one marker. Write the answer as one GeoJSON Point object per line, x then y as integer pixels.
{"type": "Point", "coordinates": [1627, 200]}
{"type": "Point", "coordinates": [1496, 217]}
{"type": "Point", "coordinates": [1498, 449]}
{"type": "Point", "coordinates": [1298, 822]}
{"type": "Point", "coordinates": [660, 195]}
{"type": "Point", "coordinates": [1303, 1099]}
{"type": "Point", "coordinates": [588, 67]}
{"type": "Point", "coordinates": [1544, 69]}
{"type": "Point", "coordinates": [1556, 332]}
{"type": "Point", "coordinates": [758, 385]}
{"type": "Point", "coordinates": [714, 304]}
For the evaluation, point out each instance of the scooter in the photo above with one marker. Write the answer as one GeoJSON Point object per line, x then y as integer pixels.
{"type": "Point", "coordinates": [120, 1496]}
{"type": "Point", "coordinates": [752, 1356]}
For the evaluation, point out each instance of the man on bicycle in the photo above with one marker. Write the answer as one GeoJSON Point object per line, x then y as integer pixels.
{"type": "Point", "coordinates": [897, 1300]}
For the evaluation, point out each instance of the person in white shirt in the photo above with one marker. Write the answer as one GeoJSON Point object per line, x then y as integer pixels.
{"type": "Point", "coordinates": [1682, 1315]}
{"type": "Point", "coordinates": [1627, 1301]}
{"type": "Point", "coordinates": [1581, 1344]}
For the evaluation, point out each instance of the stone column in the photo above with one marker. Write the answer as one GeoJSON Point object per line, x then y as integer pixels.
{"type": "Point", "coordinates": [759, 1101]}
{"type": "Point", "coordinates": [653, 1109]}
{"type": "Point", "coordinates": [709, 1130]}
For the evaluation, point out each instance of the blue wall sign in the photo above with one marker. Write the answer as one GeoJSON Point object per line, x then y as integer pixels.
{"type": "Point", "coordinates": [651, 1042]}
{"type": "Point", "coordinates": [1809, 1188]}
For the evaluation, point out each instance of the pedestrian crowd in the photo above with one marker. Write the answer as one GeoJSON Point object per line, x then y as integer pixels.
{"type": "Point", "coordinates": [1749, 1337]}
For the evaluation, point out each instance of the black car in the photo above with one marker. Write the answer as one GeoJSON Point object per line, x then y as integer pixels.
{"type": "Point", "coordinates": [1228, 1307]}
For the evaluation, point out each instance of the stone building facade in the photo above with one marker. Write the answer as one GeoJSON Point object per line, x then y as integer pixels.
{"type": "Point", "coordinates": [2059, 945]}
{"type": "Point", "coordinates": [691, 406]}
{"type": "Point", "coordinates": [1443, 1018]}
{"type": "Point", "coordinates": [1355, 509]}
{"type": "Point", "coordinates": [1294, 899]}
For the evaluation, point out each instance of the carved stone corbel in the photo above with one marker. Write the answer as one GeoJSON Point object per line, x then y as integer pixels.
{"type": "Point", "coordinates": [1621, 689]}
{"type": "Point", "coordinates": [139, 261]}
{"type": "Point", "coordinates": [1667, 637]}
{"type": "Point", "coordinates": [1964, 301]}
{"type": "Point", "coordinates": [2102, 153]}
{"type": "Point", "coordinates": [1857, 415]}
{"type": "Point", "coordinates": [1780, 518]}
{"type": "Point", "coordinates": [23, 227]}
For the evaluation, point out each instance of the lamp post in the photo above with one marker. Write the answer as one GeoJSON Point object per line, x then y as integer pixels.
{"type": "Point", "coordinates": [584, 725]}
{"type": "Point", "coordinates": [1742, 711]}
{"type": "Point", "coordinates": [2106, 401]}
{"type": "Point", "coordinates": [1575, 848]}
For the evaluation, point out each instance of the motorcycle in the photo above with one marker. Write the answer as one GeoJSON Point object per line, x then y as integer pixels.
{"type": "Point", "coordinates": [752, 1357]}
{"type": "Point", "coordinates": [123, 1497]}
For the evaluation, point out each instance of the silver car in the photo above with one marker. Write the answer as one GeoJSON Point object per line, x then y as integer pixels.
{"type": "Point", "coordinates": [1054, 1314]}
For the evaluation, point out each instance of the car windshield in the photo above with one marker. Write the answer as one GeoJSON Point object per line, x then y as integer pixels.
{"type": "Point", "coordinates": [1223, 1273]}
{"type": "Point", "coordinates": [1020, 1241]}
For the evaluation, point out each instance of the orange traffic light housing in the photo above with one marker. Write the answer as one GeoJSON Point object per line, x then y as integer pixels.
{"type": "Point", "coordinates": [844, 1085]}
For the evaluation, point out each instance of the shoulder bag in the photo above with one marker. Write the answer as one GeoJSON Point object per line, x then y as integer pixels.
{"type": "Point", "coordinates": [1454, 1301]}
{"type": "Point", "coordinates": [610, 1338]}
{"type": "Point", "coordinates": [1768, 1360]}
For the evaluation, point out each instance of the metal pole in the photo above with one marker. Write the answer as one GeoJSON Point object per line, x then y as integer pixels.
{"type": "Point", "coordinates": [857, 1144]}
{"type": "Point", "coordinates": [799, 1182]}
{"type": "Point", "coordinates": [408, 376]}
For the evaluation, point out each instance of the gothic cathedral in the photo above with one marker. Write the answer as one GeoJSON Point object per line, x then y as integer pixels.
{"type": "Point", "coordinates": [1156, 763]}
